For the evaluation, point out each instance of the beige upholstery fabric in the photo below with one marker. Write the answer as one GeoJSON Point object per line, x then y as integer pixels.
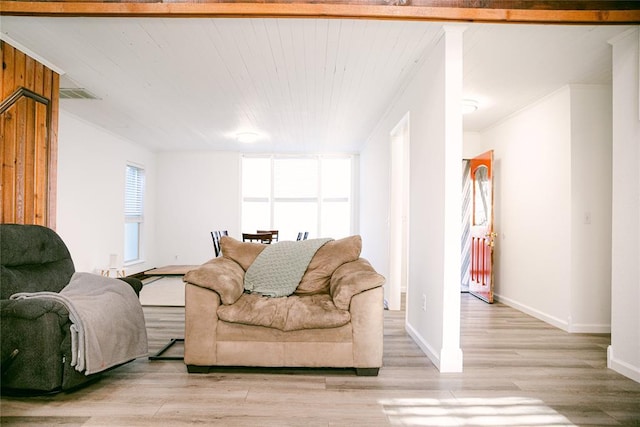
{"type": "Point", "coordinates": [238, 332]}
{"type": "Point", "coordinates": [211, 341]}
{"type": "Point", "coordinates": [352, 278]}
{"type": "Point", "coordinates": [221, 275]}
{"type": "Point", "coordinates": [329, 257]}
{"type": "Point", "coordinates": [286, 314]}
{"type": "Point", "coordinates": [367, 328]}
{"type": "Point", "coordinates": [200, 325]}
{"type": "Point", "coordinates": [244, 253]}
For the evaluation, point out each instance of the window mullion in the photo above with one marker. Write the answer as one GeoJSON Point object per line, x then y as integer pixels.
{"type": "Point", "coordinates": [319, 192]}
{"type": "Point", "coordinates": [290, 181]}
{"type": "Point", "coordinates": [272, 205]}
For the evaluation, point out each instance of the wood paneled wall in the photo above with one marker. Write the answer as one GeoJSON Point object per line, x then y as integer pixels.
{"type": "Point", "coordinates": [28, 139]}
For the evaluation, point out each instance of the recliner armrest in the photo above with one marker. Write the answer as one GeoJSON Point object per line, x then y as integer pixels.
{"type": "Point", "coordinates": [32, 308]}
{"type": "Point", "coordinates": [32, 333]}
{"type": "Point", "coordinates": [136, 284]}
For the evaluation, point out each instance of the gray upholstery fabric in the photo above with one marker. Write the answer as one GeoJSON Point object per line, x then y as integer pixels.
{"type": "Point", "coordinates": [33, 259]}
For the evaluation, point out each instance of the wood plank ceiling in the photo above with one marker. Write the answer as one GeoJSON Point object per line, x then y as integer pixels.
{"type": "Point", "coordinates": [304, 84]}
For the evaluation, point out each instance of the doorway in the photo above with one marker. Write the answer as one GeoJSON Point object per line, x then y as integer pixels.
{"type": "Point", "coordinates": [398, 213]}
{"type": "Point", "coordinates": [465, 244]}
{"type": "Point", "coordinates": [478, 235]}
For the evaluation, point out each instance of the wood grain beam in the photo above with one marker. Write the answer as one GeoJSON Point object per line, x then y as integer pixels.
{"type": "Point", "coordinates": [28, 135]}
{"type": "Point", "coordinates": [533, 11]}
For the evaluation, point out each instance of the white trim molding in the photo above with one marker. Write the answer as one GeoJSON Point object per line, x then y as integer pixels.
{"type": "Point", "coordinates": [621, 367]}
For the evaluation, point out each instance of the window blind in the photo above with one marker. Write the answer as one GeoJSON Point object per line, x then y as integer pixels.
{"type": "Point", "coordinates": [134, 194]}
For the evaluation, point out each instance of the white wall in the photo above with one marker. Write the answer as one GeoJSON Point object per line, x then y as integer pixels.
{"type": "Point", "coordinates": [199, 192]}
{"type": "Point", "coordinates": [473, 145]}
{"type": "Point", "coordinates": [375, 166]}
{"type": "Point", "coordinates": [591, 148]}
{"type": "Point", "coordinates": [624, 352]}
{"type": "Point", "coordinates": [432, 98]}
{"type": "Point", "coordinates": [532, 179]}
{"type": "Point", "coordinates": [90, 205]}
{"type": "Point", "coordinates": [552, 208]}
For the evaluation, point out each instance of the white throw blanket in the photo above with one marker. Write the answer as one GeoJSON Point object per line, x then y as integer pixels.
{"type": "Point", "coordinates": [277, 270]}
{"type": "Point", "coordinates": [108, 326]}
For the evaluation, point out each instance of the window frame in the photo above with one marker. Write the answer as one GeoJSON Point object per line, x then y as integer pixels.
{"type": "Point", "coordinates": [319, 199]}
{"type": "Point", "coordinates": [134, 210]}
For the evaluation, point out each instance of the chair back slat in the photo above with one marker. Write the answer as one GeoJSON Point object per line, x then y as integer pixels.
{"type": "Point", "coordinates": [274, 234]}
{"type": "Point", "coordinates": [215, 235]}
{"type": "Point", "coordinates": [257, 237]}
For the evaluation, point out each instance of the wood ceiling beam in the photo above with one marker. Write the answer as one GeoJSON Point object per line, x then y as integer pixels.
{"type": "Point", "coordinates": [497, 11]}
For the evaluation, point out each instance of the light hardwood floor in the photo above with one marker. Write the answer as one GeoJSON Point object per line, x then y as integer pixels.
{"type": "Point", "coordinates": [518, 372]}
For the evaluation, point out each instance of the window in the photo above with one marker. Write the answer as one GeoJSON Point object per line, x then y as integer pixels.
{"type": "Point", "coordinates": [293, 194]}
{"type": "Point", "coordinates": [133, 213]}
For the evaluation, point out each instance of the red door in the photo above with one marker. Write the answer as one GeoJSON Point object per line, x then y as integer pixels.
{"type": "Point", "coordinates": [482, 234]}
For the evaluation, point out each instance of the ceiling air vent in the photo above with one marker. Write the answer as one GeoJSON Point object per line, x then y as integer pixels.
{"type": "Point", "coordinates": [76, 93]}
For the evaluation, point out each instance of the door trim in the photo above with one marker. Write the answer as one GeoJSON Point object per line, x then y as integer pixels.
{"type": "Point", "coordinates": [399, 212]}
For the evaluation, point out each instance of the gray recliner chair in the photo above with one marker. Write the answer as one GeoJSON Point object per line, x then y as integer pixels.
{"type": "Point", "coordinates": [36, 340]}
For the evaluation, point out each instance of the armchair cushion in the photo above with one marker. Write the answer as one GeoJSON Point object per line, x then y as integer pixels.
{"type": "Point", "coordinates": [315, 280]}
{"type": "Point", "coordinates": [244, 253]}
{"type": "Point", "coordinates": [286, 314]}
{"type": "Point", "coordinates": [326, 260]}
{"type": "Point", "coordinates": [222, 275]}
{"type": "Point", "coordinates": [351, 279]}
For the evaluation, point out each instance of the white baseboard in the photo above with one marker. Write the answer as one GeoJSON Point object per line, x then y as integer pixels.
{"type": "Point", "coordinates": [621, 367]}
{"type": "Point", "coordinates": [589, 328]}
{"type": "Point", "coordinates": [426, 348]}
{"type": "Point", "coordinates": [451, 360]}
{"type": "Point", "coordinates": [565, 325]}
{"type": "Point", "coordinates": [558, 323]}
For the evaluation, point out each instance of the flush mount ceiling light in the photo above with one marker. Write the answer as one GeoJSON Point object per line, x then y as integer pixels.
{"type": "Point", "coordinates": [469, 106]}
{"type": "Point", "coordinates": [246, 137]}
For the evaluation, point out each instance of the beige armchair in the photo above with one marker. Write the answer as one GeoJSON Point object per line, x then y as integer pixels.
{"type": "Point", "coordinates": [334, 319]}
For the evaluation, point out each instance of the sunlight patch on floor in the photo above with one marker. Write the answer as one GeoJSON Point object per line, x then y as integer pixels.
{"type": "Point", "coordinates": [502, 411]}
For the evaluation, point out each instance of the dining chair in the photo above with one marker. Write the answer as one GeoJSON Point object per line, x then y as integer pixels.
{"type": "Point", "coordinates": [257, 237]}
{"type": "Point", "coordinates": [274, 234]}
{"type": "Point", "coordinates": [215, 235]}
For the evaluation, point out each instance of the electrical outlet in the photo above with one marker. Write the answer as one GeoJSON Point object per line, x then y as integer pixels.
{"type": "Point", "coordinates": [424, 302]}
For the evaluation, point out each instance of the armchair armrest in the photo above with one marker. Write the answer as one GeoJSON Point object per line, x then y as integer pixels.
{"type": "Point", "coordinates": [222, 275]}
{"type": "Point", "coordinates": [367, 321]}
{"type": "Point", "coordinates": [201, 324]}
{"type": "Point", "coordinates": [353, 278]}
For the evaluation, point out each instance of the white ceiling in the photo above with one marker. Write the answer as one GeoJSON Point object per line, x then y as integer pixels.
{"type": "Point", "coordinates": [305, 85]}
